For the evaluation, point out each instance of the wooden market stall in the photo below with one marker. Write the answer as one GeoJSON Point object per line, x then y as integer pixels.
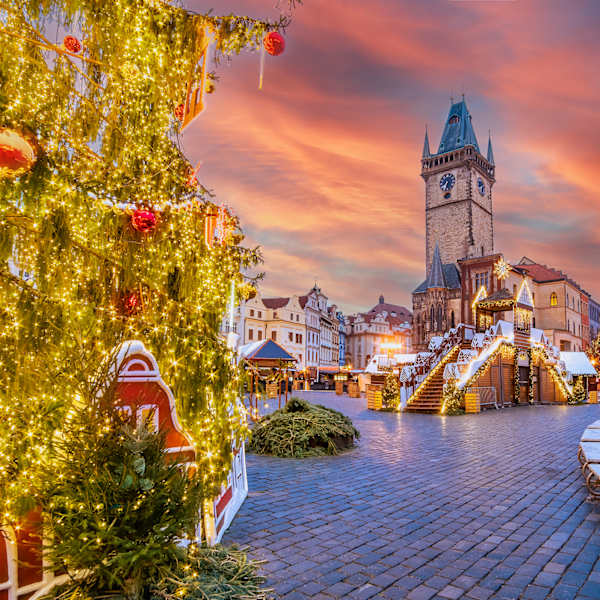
{"type": "Point", "coordinates": [269, 363]}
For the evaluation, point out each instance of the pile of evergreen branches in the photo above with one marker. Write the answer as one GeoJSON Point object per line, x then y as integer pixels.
{"type": "Point", "coordinates": [301, 429]}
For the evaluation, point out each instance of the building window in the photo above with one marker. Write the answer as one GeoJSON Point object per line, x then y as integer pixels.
{"type": "Point", "coordinates": [259, 334]}
{"type": "Point", "coordinates": [481, 279]}
{"type": "Point", "coordinates": [290, 336]}
{"type": "Point", "coordinates": [553, 299]}
{"type": "Point", "coordinates": [274, 336]}
{"type": "Point", "coordinates": [251, 312]}
{"type": "Point", "coordinates": [275, 315]}
{"type": "Point", "coordinates": [260, 314]}
{"type": "Point", "coordinates": [250, 334]}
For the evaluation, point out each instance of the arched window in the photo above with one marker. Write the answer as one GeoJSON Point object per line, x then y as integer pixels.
{"type": "Point", "coordinates": [432, 318]}
{"type": "Point", "coordinates": [553, 299]}
{"type": "Point", "coordinates": [452, 323]}
{"type": "Point", "coordinates": [440, 326]}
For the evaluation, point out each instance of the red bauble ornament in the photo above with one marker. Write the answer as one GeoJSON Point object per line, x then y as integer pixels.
{"type": "Point", "coordinates": [143, 221]}
{"type": "Point", "coordinates": [179, 112]}
{"type": "Point", "coordinates": [131, 303]}
{"type": "Point", "coordinates": [274, 43]}
{"type": "Point", "coordinates": [16, 153]}
{"type": "Point", "coordinates": [72, 44]}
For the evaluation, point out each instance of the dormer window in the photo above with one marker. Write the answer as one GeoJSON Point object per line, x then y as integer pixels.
{"type": "Point", "coordinates": [453, 119]}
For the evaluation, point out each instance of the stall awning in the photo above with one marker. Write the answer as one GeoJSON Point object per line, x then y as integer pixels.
{"type": "Point", "coordinates": [578, 363]}
{"type": "Point", "coordinates": [265, 350]}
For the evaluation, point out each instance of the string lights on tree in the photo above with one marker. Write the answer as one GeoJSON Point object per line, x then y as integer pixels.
{"type": "Point", "coordinates": [102, 237]}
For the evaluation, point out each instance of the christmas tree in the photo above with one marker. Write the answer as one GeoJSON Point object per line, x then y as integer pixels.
{"type": "Point", "coordinates": [579, 394]}
{"type": "Point", "coordinates": [391, 391]}
{"type": "Point", "coordinates": [105, 233]}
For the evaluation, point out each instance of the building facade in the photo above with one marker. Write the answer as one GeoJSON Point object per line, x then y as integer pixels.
{"type": "Point", "coordinates": [279, 319]}
{"type": "Point", "coordinates": [594, 319]}
{"type": "Point", "coordinates": [342, 359]}
{"type": "Point", "coordinates": [558, 306]}
{"type": "Point", "coordinates": [366, 333]}
{"type": "Point", "coordinates": [322, 330]}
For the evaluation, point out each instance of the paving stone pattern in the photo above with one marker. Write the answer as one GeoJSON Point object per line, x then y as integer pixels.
{"type": "Point", "coordinates": [479, 506]}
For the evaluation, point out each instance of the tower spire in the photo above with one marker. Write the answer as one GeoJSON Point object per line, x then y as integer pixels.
{"type": "Point", "coordinates": [436, 277]}
{"type": "Point", "coordinates": [490, 153]}
{"type": "Point", "coordinates": [426, 151]}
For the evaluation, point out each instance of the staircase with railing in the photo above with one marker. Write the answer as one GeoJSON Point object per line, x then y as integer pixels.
{"type": "Point", "coordinates": [425, 378]}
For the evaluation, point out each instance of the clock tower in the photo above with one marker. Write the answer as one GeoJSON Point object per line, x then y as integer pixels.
{"type": "Point", "coordinates": [458, 192]}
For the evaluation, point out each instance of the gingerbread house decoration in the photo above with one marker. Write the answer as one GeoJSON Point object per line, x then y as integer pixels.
{"type": "Point", "coordinates": [142, 392]}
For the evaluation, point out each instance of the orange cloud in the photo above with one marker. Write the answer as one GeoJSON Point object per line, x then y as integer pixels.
{"type": "Point", "coordinates": [323, 165]}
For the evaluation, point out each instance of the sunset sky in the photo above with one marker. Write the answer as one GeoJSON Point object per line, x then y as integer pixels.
{"type": "Point", "coordinates": [323, 165]}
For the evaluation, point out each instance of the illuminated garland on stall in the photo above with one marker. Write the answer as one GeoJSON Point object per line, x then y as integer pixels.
{"type": "Point", "coordinates": [540, 354]}
{"type": "Point", "coordinates": [530, 390]}
{"type": "Point", "coordinates": [516, 380]}
{"type": "Point", "coordinates": [104, 238]}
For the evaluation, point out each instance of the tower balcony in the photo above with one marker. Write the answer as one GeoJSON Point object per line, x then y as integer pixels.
{"type": "Point", "coordinates": [467, 155]}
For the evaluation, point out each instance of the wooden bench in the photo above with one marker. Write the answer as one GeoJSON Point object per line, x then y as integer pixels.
{"type": "Point", "coordinates": [588, 454]}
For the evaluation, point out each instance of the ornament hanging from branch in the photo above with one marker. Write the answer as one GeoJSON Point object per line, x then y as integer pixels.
{"type": "Point", "coordinates": [130, 303]}
{"type": "Point", "coordinates": [72, 44]}
{"type": "Point", "coordinates": [143, 221]}
{"type": "Point", "coordinates": [210, 225]}
{"type": "Point", "coordinates": [196, 86]}
{"type": "Point", "coordinates": [192, 178]}
{"type": "Point", "coordinates": [224, 227]}
{"type": "Point", "coordinates": [274, 44]}
{"type": "Point", "coordinates": [17, 154]}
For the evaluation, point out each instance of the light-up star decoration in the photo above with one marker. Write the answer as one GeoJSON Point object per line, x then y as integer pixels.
{"type": "Point", "coordinates": [502, 269]}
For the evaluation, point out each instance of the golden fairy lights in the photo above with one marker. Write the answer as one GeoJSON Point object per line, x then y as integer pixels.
{"type": "Point", "coordinates": [105, 124]}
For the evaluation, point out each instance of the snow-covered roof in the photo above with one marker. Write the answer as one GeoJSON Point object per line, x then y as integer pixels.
{"type": "Point", "coordinates": [248, 349]}
{"type": "Point", "coordinates": [578, 363]}
{"type": "Point", "coordinates": [404, 359]}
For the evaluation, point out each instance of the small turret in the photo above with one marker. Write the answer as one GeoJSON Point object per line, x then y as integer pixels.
{"type": "Point", "coordinates": [436, 277]}
{"type": "Point", "coordinates": [490, 153]}
{"type": "Point", "coordinates": [426, 151]}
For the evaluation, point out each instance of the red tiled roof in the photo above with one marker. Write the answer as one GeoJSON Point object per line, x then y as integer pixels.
{"type": "Point", "coordinates": [544, 274]}
{"type": "Point", "coordinates": [541, 273]}
{"type": "Point", "coordinates": [303, 300]}
{"type": "Point", "coordinates": [402, 313]}
{"type": "Point", "coordinates": [275, 302]}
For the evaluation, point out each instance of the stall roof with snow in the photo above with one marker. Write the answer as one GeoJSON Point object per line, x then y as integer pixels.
{"type": "Point", "coordinates": [578, 363]}
{"type": "Point", "coordinates": [265, 353]}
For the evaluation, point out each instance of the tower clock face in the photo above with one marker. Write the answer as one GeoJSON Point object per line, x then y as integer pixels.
{"type": "Point", "coordinates": [481, 186]}
{"type": "Point", "coordinates": [447, 182]}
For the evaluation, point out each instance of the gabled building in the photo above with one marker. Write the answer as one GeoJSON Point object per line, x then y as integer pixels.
{"type": "Point", "coordinates": [561, 305]}
{"type": "Point", "coordinates": [366, 333]}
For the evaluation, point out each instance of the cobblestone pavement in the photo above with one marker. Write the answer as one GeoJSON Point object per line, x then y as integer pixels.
{"type": "Point", "coordinates": [480, 506]}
